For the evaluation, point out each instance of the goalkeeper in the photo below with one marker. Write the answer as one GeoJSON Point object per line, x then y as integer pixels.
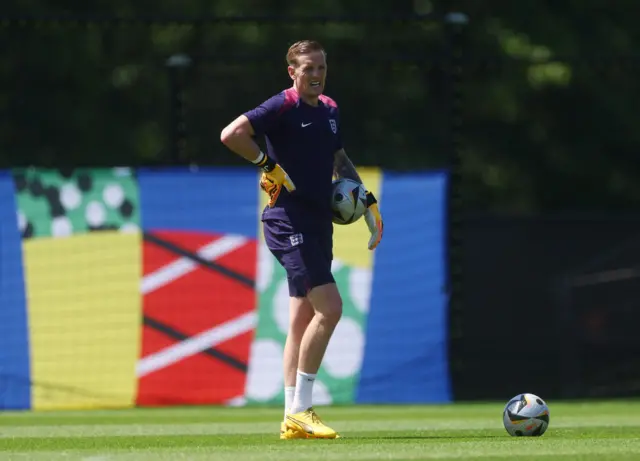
{"type": "Point", "coordinates": [302, 131]}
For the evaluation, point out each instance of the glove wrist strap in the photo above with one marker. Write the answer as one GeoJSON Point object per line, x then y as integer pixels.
{"type": "Point", "coordinates": [371, 200]}
{"type": "Point", "coordinates": [265, 162]}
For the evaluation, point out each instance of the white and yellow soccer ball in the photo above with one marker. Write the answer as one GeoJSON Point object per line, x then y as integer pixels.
{"type": "Point", "coordinates": [349, 201]}
{"type": "Point", "coordinates": [526, 415]}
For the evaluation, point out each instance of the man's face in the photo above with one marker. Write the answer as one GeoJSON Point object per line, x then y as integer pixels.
{"type": "Point", "coordinates": [310, 74]}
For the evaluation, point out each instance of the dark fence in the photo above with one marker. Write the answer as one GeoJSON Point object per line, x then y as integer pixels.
{"type": "Point", "coordinates": [153, 91]}
{"type": "Point", "coordinates": [544, 287]}
{"type": "Point", "coordinates": [386, 105]}
{"type": "Point", "coordinates": [550, 304]}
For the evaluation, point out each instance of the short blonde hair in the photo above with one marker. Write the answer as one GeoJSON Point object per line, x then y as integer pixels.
{"type": "Point", "coordinates": [302, 47]}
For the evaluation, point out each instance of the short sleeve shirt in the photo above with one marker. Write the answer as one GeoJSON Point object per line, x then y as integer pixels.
{"type": "Point", "coordinates": [303, 140]}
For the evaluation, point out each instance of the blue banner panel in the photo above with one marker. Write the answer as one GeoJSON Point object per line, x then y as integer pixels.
{"type": "Point", "coordinates": [405, 359]}
{"type": "Point", "coordinates": [221, 200]}
{"type": "Point", "coordinates": [15, 382]}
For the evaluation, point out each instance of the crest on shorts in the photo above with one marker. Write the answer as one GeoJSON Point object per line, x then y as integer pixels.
{"type": "Point", "coordinates": [296, 239]}
{"type": "Point", "coordinates": [334, 126]}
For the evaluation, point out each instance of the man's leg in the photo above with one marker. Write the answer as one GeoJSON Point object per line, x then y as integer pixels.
{"type": "Point", "coordinates": [327, 305]}
{"type": "Point", "coordinates": [302, 418]}
{"type": "Point", "coordinates": [300, 314]}
{"type": "Point", "coordinates": [291, 258]}
{"type": "Point", "coordinates": [308, 266]}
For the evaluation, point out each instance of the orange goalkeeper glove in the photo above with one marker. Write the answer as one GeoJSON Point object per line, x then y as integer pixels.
{"type": "Point", "coordinates": [273, 178]}
{"type": "Point", "coordinates": [374, 221]}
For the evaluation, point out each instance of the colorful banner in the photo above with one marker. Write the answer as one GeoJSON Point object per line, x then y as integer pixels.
{"type": "Point", "coordinates": [155, 287]}
{"type": "Point", "coordinates": [405, 358]}
{"type": "Point", "coordinates": [198, 285]}
{"type": "Point", "coordinates": [81, 252]}
{"type": "Point", "coordinates": [15, 386]}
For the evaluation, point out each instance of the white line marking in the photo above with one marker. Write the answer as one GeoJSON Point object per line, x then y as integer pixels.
{"type": "Point", "coordinates": [195, 344]}
{"type": "Point", "coordinates": [182, 266]}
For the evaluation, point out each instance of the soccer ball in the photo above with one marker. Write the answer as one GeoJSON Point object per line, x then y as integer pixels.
{"type": "Point", "coordinates": [526, 415]}
{"type": "Point", "coordinates": [349, 201]}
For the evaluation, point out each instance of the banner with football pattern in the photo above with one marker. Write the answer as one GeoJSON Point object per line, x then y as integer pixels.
{"type": "Point", "coordinates": [123, 287]}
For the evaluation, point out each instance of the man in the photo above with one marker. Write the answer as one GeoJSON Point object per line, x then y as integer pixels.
{"type": "Point", "coordinates": [304, 152]}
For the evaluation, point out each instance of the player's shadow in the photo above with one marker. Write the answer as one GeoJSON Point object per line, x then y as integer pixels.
{"type": "Point", "coordinates": [426, 437]}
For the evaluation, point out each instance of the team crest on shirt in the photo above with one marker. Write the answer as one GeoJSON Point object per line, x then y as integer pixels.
{"type": "Point", "coordinates": [334, 126]}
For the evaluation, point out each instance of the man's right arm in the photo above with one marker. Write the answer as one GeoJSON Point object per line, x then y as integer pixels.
{"type": "Point", "coordinates": [238, 137]}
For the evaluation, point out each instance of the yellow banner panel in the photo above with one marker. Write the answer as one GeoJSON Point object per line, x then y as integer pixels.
{"type": "Point", "coordinates": [84, 307]}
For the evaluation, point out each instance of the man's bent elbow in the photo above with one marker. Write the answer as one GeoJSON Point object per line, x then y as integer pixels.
{"type": "Point", "coordinates": [237, 129]}
{"type": "Point", "coordinates": [227, 134]}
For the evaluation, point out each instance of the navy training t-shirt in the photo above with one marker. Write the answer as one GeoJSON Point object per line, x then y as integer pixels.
{"type": "Point", "coordinates": [303, 140]}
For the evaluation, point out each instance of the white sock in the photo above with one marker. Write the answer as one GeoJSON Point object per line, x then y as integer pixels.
{"type": "Point", "coordinates": [303, 393]}
{"type": "Point", "coordinates": [289, 391]}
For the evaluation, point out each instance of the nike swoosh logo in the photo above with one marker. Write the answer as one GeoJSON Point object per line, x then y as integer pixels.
{"type": "Point", "coordinates": [308, 429]}
{"type": "Point", "coordinates": [305, 125]}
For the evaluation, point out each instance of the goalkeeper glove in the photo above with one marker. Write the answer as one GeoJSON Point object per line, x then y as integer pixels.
{"type": "Point", "coordinates": [374, 221]}
{"type": "Point", "coordinates": [273, 178]}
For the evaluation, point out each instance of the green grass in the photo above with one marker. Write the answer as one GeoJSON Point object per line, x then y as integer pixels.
{"type": "Point", "coordinates": [578, 431]}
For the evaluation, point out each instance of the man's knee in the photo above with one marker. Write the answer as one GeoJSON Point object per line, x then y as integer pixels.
{"type": "Point", "coordinates": [300, 314]}
{"type": "Point", "coordinates": [327, 302]}
{"type": "Point", "coordinates": [333, 315]}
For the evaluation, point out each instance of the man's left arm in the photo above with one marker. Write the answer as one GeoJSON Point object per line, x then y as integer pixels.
{"type": "Point", "coordinates": [344, 168]}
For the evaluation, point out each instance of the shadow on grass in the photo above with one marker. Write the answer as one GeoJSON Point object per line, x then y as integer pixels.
{"type": "Point", "coordinates": [423, 437]}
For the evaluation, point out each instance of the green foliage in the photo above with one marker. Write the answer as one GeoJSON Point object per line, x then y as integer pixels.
{"type": "Point", "coordinates": [549, 113]}
{"type": "Point", "coordinates": [549, 89]}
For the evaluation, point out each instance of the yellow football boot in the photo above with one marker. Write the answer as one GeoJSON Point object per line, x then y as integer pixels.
{"type": "Point", "coordinates": [288, 434]}
{"type": "Point", "coordinates": [309, 423]}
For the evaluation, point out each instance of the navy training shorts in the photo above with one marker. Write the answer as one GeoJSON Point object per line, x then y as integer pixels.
{"type": "Point", "coordinates": [306, 257]}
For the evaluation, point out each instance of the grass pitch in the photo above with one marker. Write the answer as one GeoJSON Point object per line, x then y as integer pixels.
{"type": "Point", "coordinates": [578, 431]}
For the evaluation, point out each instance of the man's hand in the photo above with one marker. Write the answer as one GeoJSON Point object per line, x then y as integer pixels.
{"type": "Point", "coordinates": [374, 221]}
{"type": "Point", "coordinates": [273, 178]}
